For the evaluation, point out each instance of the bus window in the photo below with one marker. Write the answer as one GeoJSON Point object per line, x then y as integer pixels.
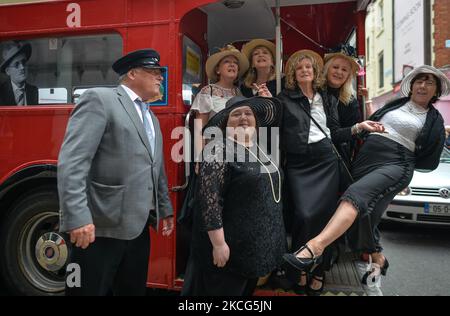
{"type": "Point", "coordinates": [47, 70]}
{"type": "Point", "coordinates": [192, 70]}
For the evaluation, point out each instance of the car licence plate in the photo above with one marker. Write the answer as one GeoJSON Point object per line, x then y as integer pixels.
{"type": "Point", "coordinates": [437, 209]}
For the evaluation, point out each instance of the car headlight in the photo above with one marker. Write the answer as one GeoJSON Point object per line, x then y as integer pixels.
{"type": "Point", "coordinates": [405, 191]}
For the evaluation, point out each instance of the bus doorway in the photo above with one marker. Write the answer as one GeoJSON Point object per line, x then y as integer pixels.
{"type": "Point", "coordinates": [315, 25]}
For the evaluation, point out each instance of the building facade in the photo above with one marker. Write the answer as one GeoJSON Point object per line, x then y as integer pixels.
{"type": "Point", "coordinates": [402, 34]}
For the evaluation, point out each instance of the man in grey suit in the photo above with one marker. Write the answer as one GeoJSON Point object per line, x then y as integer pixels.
{"type": "Point", "coordinates": [111, 180]}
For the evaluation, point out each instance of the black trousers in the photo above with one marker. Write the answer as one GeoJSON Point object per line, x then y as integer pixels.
{"type": "Point", "coordinates": [112, 266]}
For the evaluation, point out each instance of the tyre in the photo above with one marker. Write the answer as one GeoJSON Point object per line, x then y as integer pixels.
{"type": "Point", "coordinates": [34, 254]}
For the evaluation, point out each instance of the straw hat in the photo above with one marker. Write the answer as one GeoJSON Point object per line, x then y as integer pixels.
{"type": "Point", "coordinates": [266, 110]}
{"type": "Point", "coordinates": [405, 86]}
{"type": "Point", "coordinates": [248, 48]}
{"type": "Point", "coordinates": [214, 59]}
{"type": "Point", "coordinates": [13, 49]}
{"type": "Point", "coordinates": [308, 53]}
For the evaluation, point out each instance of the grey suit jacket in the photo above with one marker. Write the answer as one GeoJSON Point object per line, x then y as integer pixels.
{"type": "Point", "coordinates": [106, 173]}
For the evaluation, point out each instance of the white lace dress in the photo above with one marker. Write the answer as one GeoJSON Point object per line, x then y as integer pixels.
{"type": "Point", "coordinates": [212, 98]}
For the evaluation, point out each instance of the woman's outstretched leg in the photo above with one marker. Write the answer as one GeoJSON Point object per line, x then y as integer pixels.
{"type": "Point", "coordinates": [339, 223]}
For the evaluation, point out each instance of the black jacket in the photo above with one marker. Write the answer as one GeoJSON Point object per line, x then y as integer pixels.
{"type": "Point", "coordinates": [430, 142]}
{"type": "Point", "coordinates": [295, 123]}
{"type": "Point", "coordinates": [7, 94]}
{"type": "Point", "coordinates": [349, 115]}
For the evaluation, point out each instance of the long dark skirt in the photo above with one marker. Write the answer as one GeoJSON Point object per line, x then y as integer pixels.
{"type": "Point", "coordinates": [381, 170]}
{"type": "Point", "coordinates": [313, 181]}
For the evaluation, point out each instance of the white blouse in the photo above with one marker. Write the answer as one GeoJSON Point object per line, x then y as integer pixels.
{"type": "Point", "coordinates": [404, 124]}
{"type": "Point", "coordinates": [318, 113]}
{"type": "Point", "coordinates": [212, 98]}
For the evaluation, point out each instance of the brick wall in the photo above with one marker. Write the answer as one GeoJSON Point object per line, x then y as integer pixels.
{"type": "Point", "coordinates": [442, 32]}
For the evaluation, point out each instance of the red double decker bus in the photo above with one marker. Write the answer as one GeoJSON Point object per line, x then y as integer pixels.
{"type": "Point", "coordinates": [72, 46]}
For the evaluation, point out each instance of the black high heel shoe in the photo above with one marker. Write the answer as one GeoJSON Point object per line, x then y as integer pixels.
{"type": "Point", "coordinates": [385, 267]}
{"type": "Point", "coordinates": [303, 264]}
{"type": "Point", "coordinates": [313, 292]}
{"type": "Point", "coordinates": [301, 289]}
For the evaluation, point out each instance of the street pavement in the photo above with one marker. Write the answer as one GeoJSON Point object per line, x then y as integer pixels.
{"type": "Point", "coordinates": [419, 259]}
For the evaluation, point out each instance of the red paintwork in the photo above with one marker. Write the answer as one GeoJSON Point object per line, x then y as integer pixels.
{"type": "Point", "coordinates": [33, 135]}
{"type": "Point", "coordinates": [320, 23]}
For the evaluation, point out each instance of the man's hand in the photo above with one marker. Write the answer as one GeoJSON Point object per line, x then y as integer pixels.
{"type": "Point", "coordinates": [83, 236]}
{"type": "Point", "coordinates": [167, 226]}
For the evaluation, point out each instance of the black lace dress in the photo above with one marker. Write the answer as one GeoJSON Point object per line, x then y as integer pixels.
{"type": "Point", "coordinates": [236, 196]}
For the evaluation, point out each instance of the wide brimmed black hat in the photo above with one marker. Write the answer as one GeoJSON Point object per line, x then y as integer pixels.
{"type": "Point", "coordinates": [13, 49]}
{"type": "Point", "coordinates": [147, 58]}
{"type": "Point", "coordinates": [266, 110]}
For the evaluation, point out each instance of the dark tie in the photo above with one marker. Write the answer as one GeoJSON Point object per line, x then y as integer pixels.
{"type": "Point", "coordinates": [20, 96]}
{"type": "Point", "coordinates": [151, 137]}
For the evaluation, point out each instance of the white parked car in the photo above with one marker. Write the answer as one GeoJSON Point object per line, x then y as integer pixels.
{"type": "Point", "coordinates": [426, 199]}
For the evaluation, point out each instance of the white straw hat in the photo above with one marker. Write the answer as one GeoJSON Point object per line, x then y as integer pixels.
{"type": "Point", "coordinates": [405, 86]}
{"type": "Point", "coordinates": [214, 59]}
{"type": "Point", "coordinates": [248, 48]}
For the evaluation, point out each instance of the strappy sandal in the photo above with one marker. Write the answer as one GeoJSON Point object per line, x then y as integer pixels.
{"type": "Point", "coordinates": [303, 264]}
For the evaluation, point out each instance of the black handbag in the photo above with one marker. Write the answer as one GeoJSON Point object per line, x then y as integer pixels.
{"type": "Point", "coordinates": [186, 214]}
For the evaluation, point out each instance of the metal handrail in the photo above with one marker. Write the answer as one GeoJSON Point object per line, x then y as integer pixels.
{"type": "Point", "coordinates": [186, 155]}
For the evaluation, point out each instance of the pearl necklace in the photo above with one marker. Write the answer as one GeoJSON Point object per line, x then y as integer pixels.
{"type": "Point", "coordinates": [277, 200]}
{"type": "Point", "coordinates": [416, 109]}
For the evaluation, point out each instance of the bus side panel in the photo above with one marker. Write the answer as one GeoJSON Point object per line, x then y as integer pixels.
{"type": "Point", "coordinates": [163, 249]}
{"type": "Point", "coordinates": [32, 135]}
{"type": "Point", "coordinates": [113, 13]}
{"type": "Point", "coordinates": [149, 10]}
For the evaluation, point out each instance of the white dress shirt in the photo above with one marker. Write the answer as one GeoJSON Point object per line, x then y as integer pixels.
{"type": "Point", "coordinates": [133, 96]}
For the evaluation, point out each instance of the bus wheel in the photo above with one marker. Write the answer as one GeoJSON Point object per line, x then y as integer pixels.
{"type": "Point", "coordinates": [34, 254]}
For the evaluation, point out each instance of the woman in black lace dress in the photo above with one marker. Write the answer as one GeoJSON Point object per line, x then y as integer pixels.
{"type": "Point", "coordinates": [238, 231]}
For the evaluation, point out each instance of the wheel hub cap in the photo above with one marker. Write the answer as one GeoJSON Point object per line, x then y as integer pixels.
{"type": "Point", "coordinates": [51, 251]}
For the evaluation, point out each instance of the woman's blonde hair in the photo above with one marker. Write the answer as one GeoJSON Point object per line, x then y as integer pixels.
{"type": "Point", "coordinates": [346, 90]}
{"type": "Point", "coordinates": [250, 77]}
{"type": "Point", "coordinates": [291, 66]}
